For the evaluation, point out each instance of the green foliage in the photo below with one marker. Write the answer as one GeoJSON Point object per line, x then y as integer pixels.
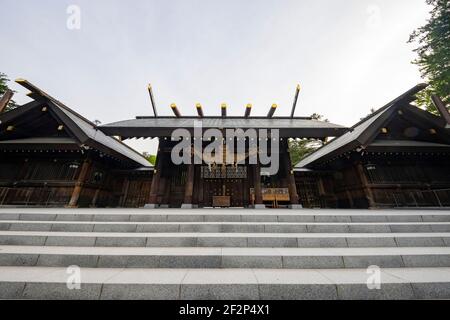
{"type": "Point", "coordinates": [433, 52]}
{"type": "Point", "coordinates": [3, 88]}
{"type": "Point", "coordinates": [150, 158]}
{"type": "Point", "coordinates": [301, 148]}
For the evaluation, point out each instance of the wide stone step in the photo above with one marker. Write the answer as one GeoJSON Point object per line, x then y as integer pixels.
{"type": "Point", "coordinates": [254, 227]}
{"type": "Point", "coordinates": [228, 215]}
{"type": "Point", "coordinates": [271, 258]}
{"type": "Point", "coordinates": [235, 239]}
{"type": "Point", "coordinates": [235, 284]}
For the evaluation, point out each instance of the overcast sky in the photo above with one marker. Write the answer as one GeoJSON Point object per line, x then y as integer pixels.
{"type": "Point", "coordinates": [348, 55]}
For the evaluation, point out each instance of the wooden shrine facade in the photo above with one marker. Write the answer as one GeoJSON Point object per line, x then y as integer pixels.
{"type": "Point", "coordinates": [220, 185]}
{"type": "Point", "coordinates": [52, 156]}
{"type": "Point", "coordinates": [396, 157]}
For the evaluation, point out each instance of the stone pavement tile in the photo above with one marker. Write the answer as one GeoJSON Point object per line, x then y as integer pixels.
{"type": "Point", "coordinates": [371, 242]}
{"type": "Point", "coordinates": [297, 292]}
{"type": "Point", "coordinates": [140, 292]}
{"type": "Point", "coordinates": [399, 291]}
{"type": "Point", "coordinates": [219, 292]}
{"type": "Point", "coordinates": [66, 260]}
{"type": "Point", "coordinates": [11, 290]}
{"type": "Point", "coordinates": [432, 290]}
{"type": "Point", "coordinates": [18, 259]}
{"type": "Point", "coordinates": [70, 241]}
{"type": "Point", "coordinates": [60, 291]}
{"type": "Point", "coordinates": [419, 241]}
{"type": "Point", "coordinates": [273, 262]}
{"type": "Point", "coordinates": [390, 261]}
{"type": "Point", "coordinates": [322, 242]}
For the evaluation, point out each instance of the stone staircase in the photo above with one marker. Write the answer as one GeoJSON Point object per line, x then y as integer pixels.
{"type": "Point", "coordinates": [224, 254]}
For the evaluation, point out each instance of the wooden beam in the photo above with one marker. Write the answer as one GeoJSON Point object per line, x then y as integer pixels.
{"type": "Point", "coordinates": [293, 195]}
{"type": "Point", "coordinates": [272, 111]}
{"type": "Point", "coordinates": [224, 110]}
{"type": "Point", "coordinates": [297, 92]}
{"type": "Point", "coordinates": [366, 186]}
{"type": "Point", "coordinates": [175, 110]}
{"type": "Point", "coordinates": [152, 99]}
{"type": "Point", "coordinates": [248, 110]}
{"type": "Point", "coordinates": [85, 168]}
{"type": "Point", "coordinates": [40, 95]}
{"type": "Point", "coordinates": [257, 185]}
{"type": "Point", "coordinates": [35, 96]}
{"type": "Point", "coordinates": [189, 188]}
{"type": "Point", "coordinates": [199, 110]}
{"type": "Point", "coordinates": [5, 100]}
{"type": "Point", "coordinates": [200, 190]}
{"type": "Point", "coordinates": [124, 195]}
{"type": "Point", "coordinates": [156, 179]}
{"type": "Point", "coordinates": [95, 198]}
{"type": "Point", "coordinates": [439, 104]}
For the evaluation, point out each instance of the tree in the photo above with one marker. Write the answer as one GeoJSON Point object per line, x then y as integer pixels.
{"type": "Point", "coordinates": [434, 54]}
{"type": "Point", "coordinates": [3, 88]}
{"type": "Point", "coordinates": [301, 148]}
{"type": "Point", "coordinates": [150, 158]}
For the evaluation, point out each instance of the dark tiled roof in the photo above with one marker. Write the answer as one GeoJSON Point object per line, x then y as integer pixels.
{"type": "Point", "coordinates": [98, 136]}
{"type": "Point", "coordinates": [210, 122]}
{"type": "Point", "coordinates": [84, 130]}
{"type": "Point", "coordinates": [41, 140]}
{"type": "Point", "coordinates": [361, 133]}
{"type": "Point", "coordinates": [164, 126]}
{"type": "Point", "coordinates": [406, 143]}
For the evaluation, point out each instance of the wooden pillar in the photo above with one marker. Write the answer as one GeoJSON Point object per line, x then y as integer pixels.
{"type": "Point", "coordinates": [320, 185]}
{"type": "Point", "coordinates": [156, 179]}
{"type": "Point", "coordinates": [189, 189]}
{"type": "Point", "coordinates": [197, 178]}
{"type": "Point", "coordinates": [365, 185]}
{"type": "Point", "coordinates": [289, 173]}
{"type": "Point", "coordinates": [164, 189]}
{"type": "Point", "coordinates": [246, 192]}
{"type": "Point", "coordinates": [125, 188]}
{"type": "Point", "coordinates": [201, 183]}
{"type": "Point", "coordinates": [257, 186]}
{"type": "Point", "coordinates": [5, 100]}
{"type": "Point", "coordinates": [95, 198]}
{"type": "Point", "coordinates": [85, 168]}
{"type": "Point", "coordinates": [23, 170]}
{"type": "Point", "coordinates": [350, 199]}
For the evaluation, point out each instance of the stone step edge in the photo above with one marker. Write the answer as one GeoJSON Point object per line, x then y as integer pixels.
{"type": "Point", "coordinates": [223, 235]}
{"type": "Point", "coordinates": [224, 212]}
{"type": "Point", "coordinates": [222, 251]}
{"type": "Point", "coordinates": [220, 223]}
{"type": "Point", "coordinates": [224, 276]}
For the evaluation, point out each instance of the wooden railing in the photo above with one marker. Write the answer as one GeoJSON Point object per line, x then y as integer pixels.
{"type": "Point", "coordinates": [35, 196]}
{"type": "Point", "coordinates": [412, 198]}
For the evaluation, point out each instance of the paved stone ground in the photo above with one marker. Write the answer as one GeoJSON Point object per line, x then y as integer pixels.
{"type": "Point", "coordinates": [224, 253]}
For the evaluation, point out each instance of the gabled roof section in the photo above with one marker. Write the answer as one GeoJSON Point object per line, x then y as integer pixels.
{"type": "Point", "coordinates": [365, 131]}
{"type": "Point", "coordinates": [82, 130]}
{"type": "Point", "coordinates": [164, 126]}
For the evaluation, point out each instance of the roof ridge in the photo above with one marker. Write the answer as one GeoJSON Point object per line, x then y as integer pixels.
{"type": "Point", "coordinates": [97, 130]}
{"type": "Point", "coordinates": [26, 84]}
{"type": "Point", "coordinates": [417, 88]}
